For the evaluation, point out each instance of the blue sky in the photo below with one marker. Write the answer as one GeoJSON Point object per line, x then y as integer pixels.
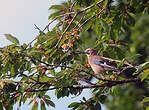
{"type": "Point", "coordinates": [17, 17]}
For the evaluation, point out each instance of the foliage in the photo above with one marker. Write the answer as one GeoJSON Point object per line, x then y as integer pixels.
{"type": "Point", "coordinates": [116, 29]}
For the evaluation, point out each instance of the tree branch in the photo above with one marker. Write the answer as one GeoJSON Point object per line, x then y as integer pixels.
{"type": "Point", "coordinates": [109, 84]}
{"type": "Point", "coordinates": [66, 30]}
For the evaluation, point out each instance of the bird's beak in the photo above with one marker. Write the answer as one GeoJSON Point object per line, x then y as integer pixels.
{"type": "Point", "coordinates": [81, 52]}
{"type": "Point", "coordinates": [86, 53]}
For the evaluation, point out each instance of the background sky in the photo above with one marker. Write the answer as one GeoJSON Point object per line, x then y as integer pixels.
{"type": "Point", "coordinates": [17, 17]}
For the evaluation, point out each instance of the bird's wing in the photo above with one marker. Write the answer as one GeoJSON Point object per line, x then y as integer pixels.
{"type": "Point", "coordinates": [116, 61]}
{"type": "Point", "coordinates": [98, 63]}
{"type": "Point", "coordinates": [105, 65]}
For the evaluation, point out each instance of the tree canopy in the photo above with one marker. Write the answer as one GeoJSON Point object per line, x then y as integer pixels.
{"type": "Point", "coordinates": [116, 29]}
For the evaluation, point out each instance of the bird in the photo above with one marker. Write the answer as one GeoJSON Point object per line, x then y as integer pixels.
{"type": "Point", "coordinates": [100, 64]}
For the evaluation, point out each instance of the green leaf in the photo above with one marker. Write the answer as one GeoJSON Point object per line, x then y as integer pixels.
{"type": "Point", "coordinates": [130, 21]}
{"type": "Point", "coordinates": [49, 102]}
{"type": "Point", "coordinates": [73, 104]}
{"type": "Point", "coordinates": [98, 106]}
{"type": "Point", "coordinates": [34, 106]}
{"type": "Point", "coordinates": [121, 63]}
{"type": "Point", "coordinates": [48, 97]}
{"type": "Point", "coordinates": [42, 38]}
{"type": "Point", "coordinates": [102, 99]}
{"type": "Point", "coordinates": [24, 99]}
{"type": "Point", "coordinates": [30, 101]}
{"type": "Point", "coordinates": [50, 42]}
{"type": "Point", "coordinates": [60, 94]}
{"type": "Point", "coordinates": [62, 57]}
{"type": "Point", "coordinates": [105, 3]}
{"type": "Point", "coordinates": [49, 51]}
{"type": "Point", "coordinates": [11, 38]}
{"type": "Point", "coordinates": [1, 106]}
{"type": "Point", "coordinates": [87, 26]}
{"type": "Point", "coordinates": [56, 7]}
{"type": "Point", "coordinates": [144, 75]}
{"type": "Point", "coordinates": [53, 52]}
{"type": "Point", "coordinates": [146, 99]}
{"type": "Point", "coordinates": [53, 15]}
{"type": "Point", "coordinates": [43, 106]}
{"type": "Point", "coordinates": [19, 104]}
{"type": "Point", "coordinates": [147, 108]}
{"type": "Point", "coordinates": [143, 66]}
{"type": "Point", "coordinates": [104, 25]}
{"type": "Point", "coordinates": [98, 28]}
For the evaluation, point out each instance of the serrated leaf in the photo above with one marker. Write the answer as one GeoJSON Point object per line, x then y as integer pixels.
{"type": "Point", "coordinates": [104, 25]}
{"type": "Point", "coordinates": [1, 106]}
{"type": "Point", "coordinates": [130, 20]}
{"type": "Point", "coordinates": [49, 102]}
{"type": "Point", "coordinates": [56, 7]}
{"type": "Point", "coordinates": [87, 26]}
{"type": "Point", "coordinates": [34, 106]}
{"type": "Point", "coordinates": [42, 38]}
{"type": "Point", "coordinates": [53, 15]}
{"type": "Point", "coordinates": [98, 106]}
{"type": "Point", "coordinates": [143, 66]}
{"type": "Point", "coordinates": [121, 63]}
{"type": "Point", "coordinates": [48, 97]}
{"type": "Point", "coordinates": [73, 104]}
{"type": "Point", "coordinates": [43, 106]}
{"type": "Point", "coordinates": [98, 29]}
{"type": "Point", "coordinates": [105, 3]}
{"type": "Point", "coordinates": [30, 101]}
{"type": "Point", "coordinates": [102, 99]}
{"type": "Point", "coordinates": [147, 108]}
{"type": "Point", "coordinates": [62, 57]}
{"type": "Point", "coordinates": [144, 74]}
{"type": "Point", "coordinates": [49, 51]}
{"type": "Point", "coordinates": [53, 52]}
{"type": "Point", "coordinates": [146, 99]}
{"type": "Point", "coordinates": [59, 94]}
{"type": "Point", "coordinates": [19, 104]}
{"type": "Point", "coordinates": [11, 38]}
{"type": "Point", "coordinates": [49, 43]}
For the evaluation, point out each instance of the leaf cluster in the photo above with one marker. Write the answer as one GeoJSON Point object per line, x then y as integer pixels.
{"type": "Point", "coordinates": [52, 61]}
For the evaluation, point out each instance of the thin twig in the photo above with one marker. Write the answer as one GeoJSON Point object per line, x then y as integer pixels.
{"type": "Point", "coordinates": [76, 13]}
{"type": "Point", "coordinates": [73, 5]}
{"type": "Point", "coordinates": [79, 21]}
{"type": "Point", "coordinates": [79, 70]}
{"type": "Point", "coordinates": [36, 27]}
{"type": "Point", "coordinates": [83, 10]}
{"type": "Point", "coordinates": [87, 20]}
{"type": "Point", "coordinates": [110, 84]}
{"type": "Point", "coordinates": [87, 81]}
{"type": "Point", "coordinates": [66, 30]}
{"type": "Point", "coordinates": [89, 7]}
{"type": "Point", "coordinates": [56, 19]}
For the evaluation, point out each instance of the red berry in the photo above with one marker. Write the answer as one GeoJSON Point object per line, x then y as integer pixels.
{"type": "Point", "coordinates": [42, 102]}
{"type": "Point", "coordinates": [35, 101]}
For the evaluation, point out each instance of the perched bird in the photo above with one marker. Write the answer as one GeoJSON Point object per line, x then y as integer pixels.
{"type": "Point", "coordinates": [100, 64]}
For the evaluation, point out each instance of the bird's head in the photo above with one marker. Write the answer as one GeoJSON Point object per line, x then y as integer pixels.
{"type": "Point", "coordinates": [90, 51]}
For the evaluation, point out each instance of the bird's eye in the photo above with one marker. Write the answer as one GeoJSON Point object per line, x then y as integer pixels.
{"type": "Point", "coordinates": [87, 52]}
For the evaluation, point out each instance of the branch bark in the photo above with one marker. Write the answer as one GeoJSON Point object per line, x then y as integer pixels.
{"type": "Point", "coordinates": [109, 84]}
